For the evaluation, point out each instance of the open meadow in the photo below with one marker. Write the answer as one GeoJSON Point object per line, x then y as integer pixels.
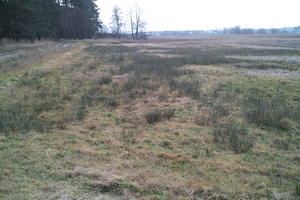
{"type": "Point", "coordinates": [214, 117]}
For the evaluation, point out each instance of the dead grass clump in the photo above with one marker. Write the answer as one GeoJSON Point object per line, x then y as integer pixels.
{"type": "Point", "coordinates": [128, 117]}
{"type": "Point", "coordinates": [190, 88]}
{"type": "Point", "coordinates": [158, 115]}
{"type": "Point", "coordinates": [165, 144]}
{"type": "Point", "coordinates": [130, 135]}
{"type": "Point", "coordinates": [175, 157]}
{"type": "Point", "coordinates": [104, 80]}
{"type": "Point", "coordinates": [211, 115]}
{"type": "Point", "coordinates": [204, 117]}
{"type": "Point", "coordinates": [86, 172]}
{"type": "Point", "coordinates": [107, 184]}
{"type": "Point", "coordinates": [282, 144]}
{"type": "Point", "coordinates": [91, 126]}
{"type": "Point", "coordinates": [111, 102]}
{"type": "Point", "coordinates": [84, 150]}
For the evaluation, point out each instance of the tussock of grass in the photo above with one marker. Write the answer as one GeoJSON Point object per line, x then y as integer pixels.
{"type": "Point", "coordinates": [189, 88]}
{"type": "Point", "coordinates": [272, 113]}
{"type": "Point", "coordinates": [157, 115]}
{"type": "Point", "coordinates": [129, 135]}
{"type": "Point", "coordinates": [234, 137]}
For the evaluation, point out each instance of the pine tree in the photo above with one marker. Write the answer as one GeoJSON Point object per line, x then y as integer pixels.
{"type": "Point", "coordinates": [37, 19]}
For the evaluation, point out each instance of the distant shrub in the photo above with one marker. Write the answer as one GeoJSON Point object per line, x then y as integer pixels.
{"type": "Point", "coordinates": [234, 137]}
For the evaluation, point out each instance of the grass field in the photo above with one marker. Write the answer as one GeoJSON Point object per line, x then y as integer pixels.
{"type": "Point", "coordinates": [215, 117]}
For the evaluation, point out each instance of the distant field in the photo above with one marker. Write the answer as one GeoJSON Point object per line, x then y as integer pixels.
{"type": "Point", "coordinates": [214, 117]}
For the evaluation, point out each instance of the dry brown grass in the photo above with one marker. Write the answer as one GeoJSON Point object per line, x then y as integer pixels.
{"type": "Point", "coordinates": [112, 152]}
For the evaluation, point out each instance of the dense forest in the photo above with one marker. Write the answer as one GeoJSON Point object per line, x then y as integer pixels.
{"type": "Point", "coordinates": [48, 19]}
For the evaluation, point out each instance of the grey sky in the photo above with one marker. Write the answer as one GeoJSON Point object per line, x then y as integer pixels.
{"type": "Point", "coordinates": [209, 14]}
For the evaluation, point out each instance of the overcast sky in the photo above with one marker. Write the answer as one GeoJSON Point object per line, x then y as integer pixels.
{"type": "Point", "coordinates": [209, 14]}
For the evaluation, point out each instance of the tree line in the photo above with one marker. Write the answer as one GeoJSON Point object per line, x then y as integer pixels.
{"type": "Point", "coordinates": [132, 26]}
{"type": "Point", "coordinates": [48, 19]}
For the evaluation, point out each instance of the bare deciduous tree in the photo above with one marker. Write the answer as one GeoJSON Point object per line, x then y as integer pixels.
{"type": "Point", "coordinates": [117, 23]}
{"type": "Point", "coordinates": [137, 24]}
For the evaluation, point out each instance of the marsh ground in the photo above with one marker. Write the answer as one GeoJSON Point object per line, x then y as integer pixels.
{"type": "Point", "coordinates": [215, 117]}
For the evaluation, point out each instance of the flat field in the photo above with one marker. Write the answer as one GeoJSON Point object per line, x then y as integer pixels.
{"type": "Point", "coordinates": [214, 117]}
